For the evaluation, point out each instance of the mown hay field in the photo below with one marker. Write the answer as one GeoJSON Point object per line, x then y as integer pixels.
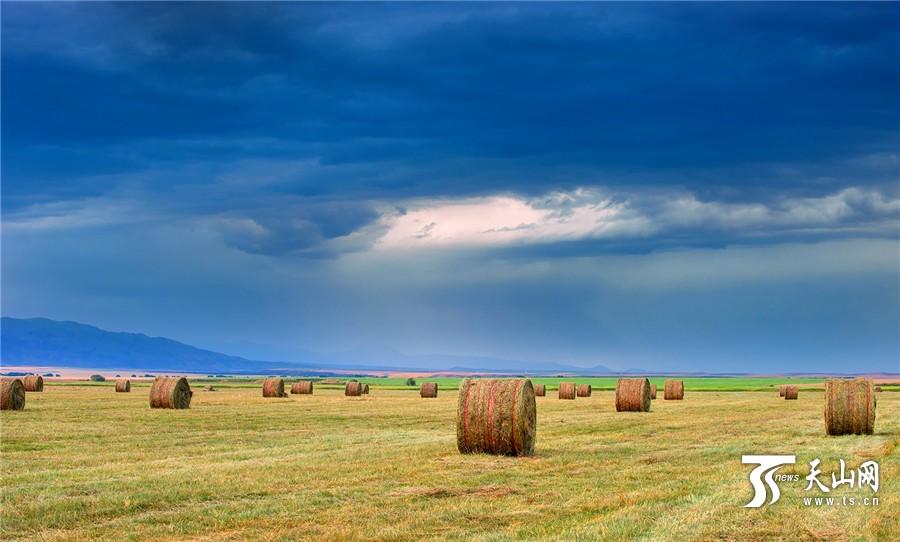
{"type": "Point", "coordinates": [86, 463]}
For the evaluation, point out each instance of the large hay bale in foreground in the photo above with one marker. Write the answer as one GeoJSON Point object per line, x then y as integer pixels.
{"type": "Point", "coordinates": [496, 417]}
{"type": "Point", "coordinates": [849, 407]}
{"type": "Point", "coordinates": [273, 387]}
{"type": "Point", "coordinates": [790, 392]}
{"type": "Point", "coordinates": [584, 390]}
{"type": "Point", "coordinates": [428, 389]}
{"type": "Point", "coordinates": [567, 390]}
{"type": "Point", "coordinates": [353, 389]}
{"type": "Point", "coordinates": [12, 394]}
{"type": "Point", "coordinates": [653, 391]}
{"type": "Point", "coordinates": [540, 390]}
{"type": "Point", "coordinates": [673, 390]}
{"type": "Point", "coordinates": [170, 392]}
{"type": "Point", "coordinates": [633, 395]}
{"type": "Point", "coordinates": [781, 390]}
{"type": "Point", "coordinates": [33, 383]}
{"type": "Point", "coordinates": [123, 385]}
{"type": "Point", "coordinates": [304, 387]}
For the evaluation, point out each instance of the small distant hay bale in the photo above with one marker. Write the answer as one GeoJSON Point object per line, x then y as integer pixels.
{"type": "Point", "coordinates": [540, 390]}
{"type": "Point", "coordinates": [496, 417]}
{"type": "Point", "coordinates": [653, 391]}
{"type": "Point", "coordinates": [877, 388]}
{"type": "Point", "coordinates": [633, 395]}
{"type": "Point", "coordinates": [273, 387]}
{"type": "Point", "coordinates": [673, 390]}
{"type": "Point", "coordinates": [123, 385]}
{"type": "Point", "coordinates": [209, 388]}
{"type": "Point", "coordinates": [584, 390]}
{"type": "Point", "coordinates": [849, 407]}
{"type": "Point", "coordinates": [304, 387]}
{"type": "Point", "coordinates": [781, 390]}
{"type": "Point", "coordinates": [170, 392]}
{"type": "Point", "coordinates": [353, 389]}
{"type": "Point", "coordinates": [33, 383]}
{"type": "Point", "coordinates": [12, 394]}
{"type": "Point", "coordinates": [428, 389]}
{"type": "Point", "coordinates": [790, 392]}
{"type": "Point", "coordinates": [365, 388]}
{"type": "Point", "coordinates": [567, 390]}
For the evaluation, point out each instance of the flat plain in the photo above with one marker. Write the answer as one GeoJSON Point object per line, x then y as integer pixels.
{"type": "Point", "coordinates": [85, 463]}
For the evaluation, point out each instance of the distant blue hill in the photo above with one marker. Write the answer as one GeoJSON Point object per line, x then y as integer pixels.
{"type": "Point", "coordinates": [44, 342]}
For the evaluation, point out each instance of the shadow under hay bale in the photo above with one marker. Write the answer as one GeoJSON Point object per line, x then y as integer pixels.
{"type": "Point", "coordinates": [633, 395]}
{"type": "Point", "coordinates": [584, 390]}
{"type": "Point", "coordinates": [12, 394]}
{"type": "Point", "coordinates": [496, 417]}
{"type": "Point", "coordinates": [353, 389]}
{"type": "Point", "coordinates": [540, 390]}
{"type": "Point", "coordinates": [428, 389]}
{"type": "Point", "coordinates": [567, 390]}
{"type": "Point", "coordinates": [304, 387]}
{"type": "Point", "coordinates": [123, 385]}
{"type": "Point", "coordinates": [170, 392]}
{"type": "Point", "coordinates": [33, 383]}
{"type": "Point", "coordinates": [673, 390]}
{"type": "Point", "coordinates": [849, 407]}
{"type": "Point", "coordinates": [273, 387]}
{"type": "Point", "coordinates": [653, 391]}
{"type": "Point", "coordinates": [791, 392]}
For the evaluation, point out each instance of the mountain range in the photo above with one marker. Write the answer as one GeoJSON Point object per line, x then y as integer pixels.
{"type": "Point", "coordinates": [51, 343]}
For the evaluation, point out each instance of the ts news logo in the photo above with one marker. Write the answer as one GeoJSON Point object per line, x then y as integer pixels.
{"type": "Point", "coordinates": [768, 465]}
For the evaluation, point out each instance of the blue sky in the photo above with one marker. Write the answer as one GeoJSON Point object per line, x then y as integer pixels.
{"type": "Point", "coordinates": [665, 186]}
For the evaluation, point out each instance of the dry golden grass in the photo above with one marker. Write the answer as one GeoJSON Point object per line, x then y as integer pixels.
{"type": "Point", "coordinates": [85, 463]}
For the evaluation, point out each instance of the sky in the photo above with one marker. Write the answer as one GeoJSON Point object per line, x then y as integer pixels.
{"type": "Point", "coordinates": [695, 187]}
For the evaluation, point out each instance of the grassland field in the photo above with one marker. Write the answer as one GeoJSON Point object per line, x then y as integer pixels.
{"type": "Point", "coordinates": [82, 462]}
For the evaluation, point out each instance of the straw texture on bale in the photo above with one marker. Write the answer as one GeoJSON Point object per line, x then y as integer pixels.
{"type": "Point", "coordinates": [781, 390]}
{"type": "Point", "coordinates": [849, 407]}
{"type": "Point", "coordinates": [304, 387]}
{"type": "Point", "coordinates": [33, 383]}
{"type": "Point", "coordinates": [12, 394]}
{"type": "Point", "coordinates": [496, 417]}
{"type": "Point", "coordinates": [170, 392]}
{"type": "Point", "coordinates": [790, 392]}
{"type": "Point", "coordinates": [567, 390]}
{"type": "Point", "coordinates": [123, 385]}
{"type": "Point", "coordinates": [353, 389]}
{"type": "Point", "coordinates": [584, 390]}
{"type": "Point", "coordinates": [540, 390]}
{"type": "Point", "coordinates": [653, 391]}
{"type": "Point", "coordinates": [428, 389]}
{"type": "Point", "coordinates": [673, 390]}
{"type": "Point", "coordinates": [633, 395]}
{"type": "Point", "coordinates": [273, 387]}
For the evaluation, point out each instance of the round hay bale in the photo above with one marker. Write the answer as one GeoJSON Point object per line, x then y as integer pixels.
{"type": "Point", "coordinates": [12, 394]}
{"type": "Point", "coordinates": [123, 385]}
{"type": "Point", "coordinates": [170, 392]}
{"type": "Point", "coordinates": [567, 390]}
{"type": "Point", "coordinates": [540, 390]}
{"type": "Point", "coordinates": [877, 388]}
{"type": "Point", "coordinates": [428, 389]}
{"type": "Point", "coordinates": [653, 391]}
{"type": "Point", "coordinates": [209, 388]}
{"type": "Point", "coordinates": [33, 383]}
{"type": "Point", "coordinates": [353, 389]}
{"type": "Point", "coordinates": [781, 390]}
{"type": "Point", "coordinates": [633, 395]}
{"type": "Point", "coordinates": [304, 387]}
{"type": "Point", "coordinates": [273, 387]}
{"type": "Point", "coordinates": [849, 407]}
{"type": "Point", "coordinates": [673, 390]}
{"type": "Point", "coordinates": [790, 392]}
{"type": "Point", "coordinates": [584, 390]}
{"type": "Point", "coordinates": [496, 417]}
{"type": "Point", "coordinates": [365, 388]}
